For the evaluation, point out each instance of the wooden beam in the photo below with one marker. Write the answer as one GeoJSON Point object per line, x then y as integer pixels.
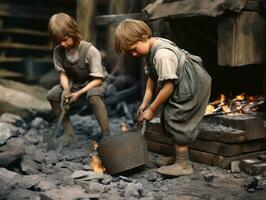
{"type": "Point", "coordinates": [24, 32]}
{"type": "Point", "coordinates": [103, 20]}
{"type": "Point", "coordinates": [8, 10]}
{"type": "Point", "coordinates": [25, 46]}
{"type": "Point", "coordinates": [252, 5]}
{"type": "Point", "coordinates": [241, 39]}
{"type": "Point", "coordinates": [85, 18]}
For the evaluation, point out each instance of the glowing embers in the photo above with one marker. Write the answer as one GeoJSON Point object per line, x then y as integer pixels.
{"type": "Point", "coordinates": [240, 104]}
{"type": "Point", "coordinates": [96, 163]}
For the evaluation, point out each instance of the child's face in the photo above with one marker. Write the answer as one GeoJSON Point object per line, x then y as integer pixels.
{"type": "Point", "coordinates": [67, 43]}
{"type": "Point", "coordinates": [141, 48]}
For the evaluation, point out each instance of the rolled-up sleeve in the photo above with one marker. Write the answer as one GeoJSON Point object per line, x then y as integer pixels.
{"type": "Point", "coordinates": [165, 64]}
{"type": "Point", "coordinates": [57, 60]}
{"type": "Point", "coordinates": [95, 63]}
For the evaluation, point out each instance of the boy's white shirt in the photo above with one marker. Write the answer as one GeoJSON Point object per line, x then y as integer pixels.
{"type": "Point", "coordinates": [165, 62]}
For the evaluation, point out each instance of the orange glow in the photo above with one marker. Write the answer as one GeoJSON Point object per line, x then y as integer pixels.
{"type": "Point", "coordinates": [210, 109]}
{"type": "Point", "coordinates": [240, 97]}
{"type": "Point", "coordinates": [96, 163]}
{"type": "Point", "coordinates": [226, 108]}
{"type": "Point", "coordinates": [240, 104]}
{"type": "Point", "coordinates": [124, 127]}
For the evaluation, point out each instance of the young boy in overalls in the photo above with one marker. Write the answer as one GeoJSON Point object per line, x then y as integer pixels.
{"type": "Point", "coordinates": [80, 70]}
{"type": "Point", "coordinates": [184, 93]}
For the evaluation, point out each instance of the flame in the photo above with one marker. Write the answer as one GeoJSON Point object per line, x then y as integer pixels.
{"type": "Point", "coordinates": [210, 109]}
{"type": "Point", "coordinates": [240, 104]}
{"type": "Point", "coordinates": [240, 97]}
{"type": "Point", "coordinates": [96, 163]}
{"type": "Point", "coordinates": [226, 108]}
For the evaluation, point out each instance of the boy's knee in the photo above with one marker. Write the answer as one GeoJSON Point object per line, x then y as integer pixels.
{"type": "Point", "coordinates": [95, 100]}
{"type": "Point", "coordinates": [54, 94]}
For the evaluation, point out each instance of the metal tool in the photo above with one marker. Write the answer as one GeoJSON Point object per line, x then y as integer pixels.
{"type": "Point", "coordinates": [52, 142]}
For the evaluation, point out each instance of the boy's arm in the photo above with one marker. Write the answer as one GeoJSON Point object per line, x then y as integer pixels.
{"type": "Point", "coordinates": [92, 84]}
{"type": "Point", "coordinates": [150, 85]}
{"type": "Point", "coordinates": [149, 91]}
{"type": "Point", "coordinates": [164, 94]}
{"type": "Point", "coordinates": [64, 81]}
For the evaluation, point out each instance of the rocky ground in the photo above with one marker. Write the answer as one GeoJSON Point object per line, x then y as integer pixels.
{"type": "Point", "coordinates": [29, 171]}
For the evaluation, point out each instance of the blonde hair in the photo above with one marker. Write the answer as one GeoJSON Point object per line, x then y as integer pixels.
{"type": "Point", "coordinates": [62, 25]}
{"type": "Point", "coordinates": [129, 32]}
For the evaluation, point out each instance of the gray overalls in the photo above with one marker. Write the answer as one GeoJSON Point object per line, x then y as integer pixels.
{"type": "Point", "coordinates": [184, 110]}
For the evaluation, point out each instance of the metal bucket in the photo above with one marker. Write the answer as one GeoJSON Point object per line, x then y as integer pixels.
{"type": "Point", "coordinates": [123, 151]}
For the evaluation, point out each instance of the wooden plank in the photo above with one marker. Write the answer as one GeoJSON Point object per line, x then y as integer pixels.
{"type": "Point", "coordinates": [253, 166]}
{"type": "Point", "coordinates": [22, 59]}
{"type": "Point", "coordinates": [228, 149]}
{"type": "Point", "coordinates": [24, 32]}
{"type": "Point", "coordinates": [252, 125]}
{"type": "Point", "coordinates": [240, 39]}
{"type": "Point", "coordinates": [160, 148]}
{"type": "Point", "coordinates": [8, 45]}
{"type": "Point", "coordinates": [208, 131]}
{"type": "Point", "coordinates": [28, 12]}
{"type": "Point", "coordinates": [9, 74]}
{"type": "Point", "coordinates": [103, 20]}
{"type": "Point", "coordinates": [252, 6]}
{"type": "Point", "coordinates": [219, 161]}
{"type": "Point", "coordinates": [221, 133]}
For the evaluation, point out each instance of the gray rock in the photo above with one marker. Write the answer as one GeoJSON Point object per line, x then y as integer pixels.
{"type": "Point", "coordinates": [28, 166]}
{"type": "Point", "coordinates": [38, 123]}
{"type": "Point", "coordinates": [51, 158]}
{"type": "Point", "coordinates": [38, 156]}
{"type": "Point", "coordinates": [152, 177]}
{"type": "Point", "coordinates": [47, 169]}
{"type": "Point", "coordinates": [29, 181]}
{"type": "Point", "coordinates": [208, 176]}
{"type": "Point", "coordinates": [107, 179]}
{"type": "Point", "coordinates": [12, 119]}
{"type": "Point", "coordinates": [68, 181]}
{"type": "Point", "coordinates": [22, 194]}
{"type": "Point", "coordinates": [7, 157]}
{"type": "Point", "coordinates": [33, 137]}
{"type": "Point", "coordinates": [235, 167]}
{"type": "Point", "coordinates": [134, 189]}
{"type": "Point", "coordinates": [95, 187]}
{"type": "Point", "coordinates": [45, 185]}
{"type": "Point", "coordinates": [66, 193]}
{"type": "Point", "coordinates": [22, 99]}
{"type": "Point", "coordinates": [86, 167]}
{"type": "Point", "coordinates": [5, 133]}
{"type": "Point", "coordinates": [8, 180]}
{"type": "Point", "coordinates": [86, 175]}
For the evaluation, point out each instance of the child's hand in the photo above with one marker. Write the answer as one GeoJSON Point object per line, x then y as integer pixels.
{"type": "Point", "coordinates": [141, 108]}
{"type": "Point", "coordinates": [148, 114]}
{"type": "Point", "coordinates": [73, 97]}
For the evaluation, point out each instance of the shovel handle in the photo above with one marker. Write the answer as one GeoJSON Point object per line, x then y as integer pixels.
{"type": "Point", "coordinates": [143, 128]}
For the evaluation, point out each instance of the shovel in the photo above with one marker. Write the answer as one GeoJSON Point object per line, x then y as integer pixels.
{"type": "Point", "coordinates": [52, 142]}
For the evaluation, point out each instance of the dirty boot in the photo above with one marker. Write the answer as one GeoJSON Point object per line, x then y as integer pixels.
{"type": "Point", "coordinates": [168, 160]}
{"type": "Point", "coordinates": [181, 167]}
{"type": "Point", "coordinates": [100, 112]}
{"type": "Point", "coordinates": [68, 135]}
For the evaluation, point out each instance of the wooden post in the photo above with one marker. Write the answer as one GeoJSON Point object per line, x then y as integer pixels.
{"type": "Point", "coordinates": [241, 39]}
{"type": "Point", "coordinates": [85, 19]}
